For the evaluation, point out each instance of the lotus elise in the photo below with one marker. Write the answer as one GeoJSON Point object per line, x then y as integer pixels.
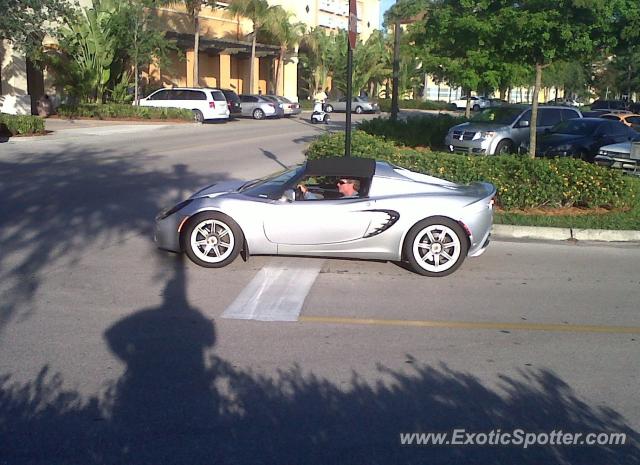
{"type": "Point", "coordinates": [396, 215]}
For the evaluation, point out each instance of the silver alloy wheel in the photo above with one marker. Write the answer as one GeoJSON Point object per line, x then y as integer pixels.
{"type": "Point", "coordinates": [258, 113]}
{"type": "Point", "coordinates": [359, 110]}
{"type": "Point", "coordinates": [436, 248]}
{"type": "Point", "coordinates": [212, 241]}
{"type": "Point", "coordinates": [328, 108]}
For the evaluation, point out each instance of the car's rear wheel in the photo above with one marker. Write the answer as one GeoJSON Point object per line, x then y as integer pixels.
{"type": "Point", "coordinates": [212, 239]}
{"type": "Point", "coordinates": [328, 108]}
{"type": "Point", "coordinates": [436, 246]}
{"type": "Point", "coordinates": [359, 110]}
{"type": "Point", "coordinates": [258, 114]}
{"type": "Point", "coordinates": [198, 117]}
{"type": "Point", "coordinates": [476, 107]}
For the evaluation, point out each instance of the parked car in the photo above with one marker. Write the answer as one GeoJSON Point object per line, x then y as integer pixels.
{"type": "Point", "coordinates": [564, 101]}
{"type": "Point", "coordinates": [289, 107]}
{"type": "Point", "coordinates": [628, 119]}
{"type": "Point", "coordinates": [497, 102]}
{"type": "Point", "coordinates": [428, 222]}
{"type": "Point", "coordinates": [503, 129]}
{"type": "Point", "coordinates": [358, 105]}
{"type": "Point", "coordinates": [205, 103]}
{"type": "Point", "coordinates": [611, 105]}
{"type": "Point", "coordinates": [477, 103]}
{"type": "Point", "coordinates": [259, 107]}
{"type": "Point", "coordinates": [581, 138]}
{"type": "Point", "coordinates": [624, 156]}
{"type": "Point", "coordinates": [233, 101]}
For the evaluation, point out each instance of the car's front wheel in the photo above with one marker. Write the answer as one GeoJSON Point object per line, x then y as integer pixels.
{"type": "Point", "coordinates": [328, 108]}
{"type": "Point", "coordinates": [436, 246]}
{"type": "Point", "coordinates": [359, 110]}
{"type": "Point", "coordinates": [212, 239]}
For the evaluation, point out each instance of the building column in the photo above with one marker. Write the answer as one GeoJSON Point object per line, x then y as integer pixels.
{"type": "Point", "coordinates": [14, 93]}
{"type": "Point", "coordinates": [289, 79]}
{"type": "Point", "coordinates": [256, 74]}
{"type": "Point", "coordinates": [225, 71]}
{"type": "Point", "coordinates": [190, 60]}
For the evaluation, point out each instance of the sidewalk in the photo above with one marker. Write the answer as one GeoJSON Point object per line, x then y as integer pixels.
{"type": "Point", "coordinates": [503, 231]}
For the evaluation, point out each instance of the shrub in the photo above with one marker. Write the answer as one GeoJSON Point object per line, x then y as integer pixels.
{"type": "Point", "coordinates": [114, 110]}
{"type": "Point", "coordinates": [385, 105]}
{"type": "Point", "coordinates": [521, 182]}
{"type": "Point", "coordinates": [419, 131]}
{"type": "Point", "coordinates": [18, 124]}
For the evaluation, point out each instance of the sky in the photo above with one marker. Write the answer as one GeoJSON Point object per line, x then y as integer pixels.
{"type": "Point", "coordinates": [384, 6]}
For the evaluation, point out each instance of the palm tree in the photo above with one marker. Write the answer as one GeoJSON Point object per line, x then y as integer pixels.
{"type": "Point", "coordinates": [285, 33]}
{"type": "Point", "coordinates": [194, 8]}
{"type": "Point", "coordinates": [258, 11]}
{"type": "Point", "coordinates": [318, 50]}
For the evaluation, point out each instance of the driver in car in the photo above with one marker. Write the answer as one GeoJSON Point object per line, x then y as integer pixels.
{"type": "Point", "coordinates": [347, 187]}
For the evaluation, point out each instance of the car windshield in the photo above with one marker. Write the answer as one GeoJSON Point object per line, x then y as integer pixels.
{"type": "Point", "coordinates": [272, 186]}
{"type": "Point", "coordinates": [497, 115]}
{"type": "Point", "coordinates": [576, 127]}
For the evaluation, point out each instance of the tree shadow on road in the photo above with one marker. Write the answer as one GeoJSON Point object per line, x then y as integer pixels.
{"type": "Point", "coordinates": [56, 205]}
{"type": "Point", "coordinates": [179, 404]}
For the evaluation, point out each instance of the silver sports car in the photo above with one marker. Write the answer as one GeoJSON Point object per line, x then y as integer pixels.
{"type": "Point", "coordinates": [390, 214]}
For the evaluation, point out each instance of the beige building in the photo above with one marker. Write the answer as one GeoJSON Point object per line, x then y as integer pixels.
{"type": "Point", "coordinates": [224, 55]}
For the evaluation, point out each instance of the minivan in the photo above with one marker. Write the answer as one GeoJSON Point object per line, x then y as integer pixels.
{"type": "Point", "coordinates": [205, 103]}
{"type": "Point", "coordinates": [502, 129]}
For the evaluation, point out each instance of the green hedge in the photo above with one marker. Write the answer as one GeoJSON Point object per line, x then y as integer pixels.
{"type": "Point", "coordinates": [419, 131]}
{"type": "Point", "coordinates": [114, 110]}
{"type": "Point", "coordinates": [16, 125]}
{"type": "Point", "coordinates": [385, 105]}
{"type": "Point", "coordinates": [522, 182]}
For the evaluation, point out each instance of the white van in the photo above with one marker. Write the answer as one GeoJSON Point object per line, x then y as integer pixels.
{"type": "Point", "coordinates": [205, 103]}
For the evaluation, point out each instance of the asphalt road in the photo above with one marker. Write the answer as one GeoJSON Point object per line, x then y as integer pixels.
{"type": "Point", "coordinates": [114, 352]}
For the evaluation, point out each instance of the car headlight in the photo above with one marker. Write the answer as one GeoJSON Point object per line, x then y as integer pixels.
{"type": "Point", "coordinates": [170, 211]}
{"type": "Point", "coordinates": [484, 135]}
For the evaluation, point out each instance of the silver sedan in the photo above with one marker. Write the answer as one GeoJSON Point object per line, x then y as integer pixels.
{"type": "Point", "coordinates": [391, 214]}
{"type": "Point", "coordinates": [358, 105]}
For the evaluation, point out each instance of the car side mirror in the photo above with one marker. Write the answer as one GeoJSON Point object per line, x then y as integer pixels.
{"type": "Point", "coordinates": [289, 195]}
{"type": "Point", "coordinates": [524, 124]}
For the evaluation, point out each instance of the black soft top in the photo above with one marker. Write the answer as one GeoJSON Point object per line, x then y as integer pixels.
{"type": "Point", "coordinates": [341, 166]}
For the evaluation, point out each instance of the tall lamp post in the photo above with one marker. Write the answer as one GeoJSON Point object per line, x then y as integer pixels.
{"type": "Point", "coordinates": [353, 30]}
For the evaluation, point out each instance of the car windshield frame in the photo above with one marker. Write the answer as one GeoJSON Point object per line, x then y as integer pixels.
{"type": "Point", "coordinates": [566, 127]}
{"type": "Point", "coordinates": [273, 185]}
{"type": "Point", "coordinates": [498, 115]}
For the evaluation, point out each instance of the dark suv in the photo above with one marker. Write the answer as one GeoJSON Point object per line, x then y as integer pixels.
{"type": "Point", "coordinates": [235, 108]}
{"type": "Point", "coordinates": [610, 105]}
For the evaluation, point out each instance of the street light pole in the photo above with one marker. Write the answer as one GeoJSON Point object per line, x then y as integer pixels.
{"type": "Point", "coordinates": [351, 44]}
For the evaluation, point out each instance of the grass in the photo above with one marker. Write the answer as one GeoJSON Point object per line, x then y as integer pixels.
{"type": "Point", "coordinates": [628, 220]}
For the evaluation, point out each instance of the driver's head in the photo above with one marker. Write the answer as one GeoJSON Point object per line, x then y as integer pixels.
{"type": "Point", "coordinates": [348, 186]}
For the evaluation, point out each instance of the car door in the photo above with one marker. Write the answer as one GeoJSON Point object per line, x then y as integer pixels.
{"type": "Point", "coordinates": [547, 118]}
{"type": "Point", "coordinates": [341, 104]}
{"type": "Point", "coordinates": [157, 99]}
{"type": "Point", "coordinates": [520, 130]}
{"type": "Point", "coordinates": [317, 222]}
{"type": "Point", "coordinates": [249, 104]}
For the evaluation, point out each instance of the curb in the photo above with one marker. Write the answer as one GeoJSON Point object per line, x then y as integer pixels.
{"type": "Point", "coordinates": [503, 231]}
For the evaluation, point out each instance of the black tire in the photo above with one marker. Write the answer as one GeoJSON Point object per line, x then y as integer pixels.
{"type": "Point", "coordinates": [218, 229]}
{"type": "Point", "coordinates": [328, 108]}
{"type": "Point", "coordinates": [359, 110]}
{"type": "Point", "coordinates": [258, 114]}
{"type": "Point", "coordinates": [504, 147]}
{"type": "Point", "coordinates": [452, 241]}
{"type": "Point", "coordinates": [476, 107]}
{"type": "Point", "coordinates": [198, 117]}
{"type": "Point", "coordinates": [326, 119]}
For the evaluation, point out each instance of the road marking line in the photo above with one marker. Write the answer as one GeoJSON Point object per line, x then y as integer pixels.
{"type": "Point", "coordinates": [473, 325]}
{"type": "Point", "coordinates": [276, 293]}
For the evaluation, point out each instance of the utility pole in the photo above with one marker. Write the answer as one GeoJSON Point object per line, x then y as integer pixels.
{"type": "Point", "coordinates": [351, 44]}
{"type": "Point", "coordinates": [396, 66]}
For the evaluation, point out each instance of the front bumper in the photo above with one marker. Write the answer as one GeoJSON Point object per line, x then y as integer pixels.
{"type": "Point", "coordinates": [166, 234]}
{"type": "Point", "coordinates": [626, 164]}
